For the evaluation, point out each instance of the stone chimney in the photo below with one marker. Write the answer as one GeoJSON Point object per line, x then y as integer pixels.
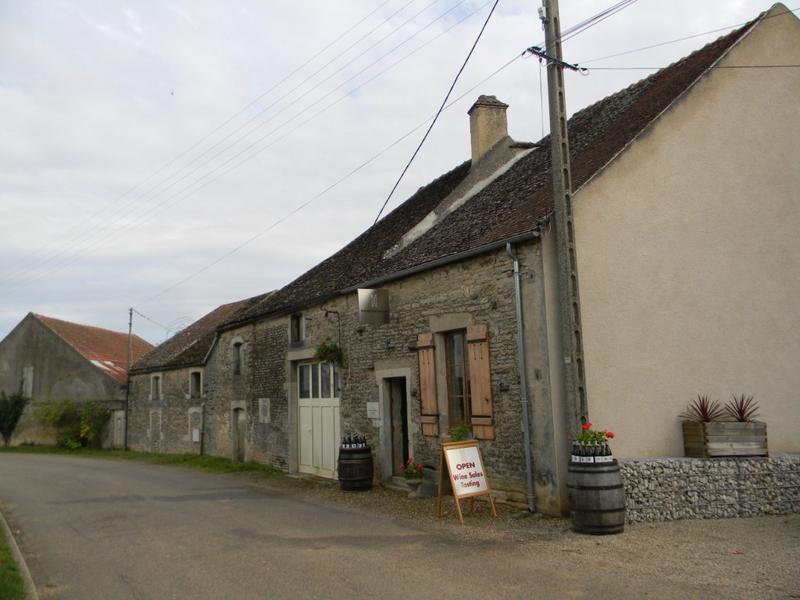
{"type": "Point", "coordinates": [487, 125]}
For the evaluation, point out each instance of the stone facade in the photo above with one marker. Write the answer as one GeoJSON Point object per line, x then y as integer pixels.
{"type": "Point", "coordinates": [666, 489]}
{"type": "Point", "coordinates": [474, 291]}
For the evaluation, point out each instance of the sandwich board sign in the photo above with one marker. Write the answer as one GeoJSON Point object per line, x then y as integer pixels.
{"type": "Point", "coordinates": [462, 474]}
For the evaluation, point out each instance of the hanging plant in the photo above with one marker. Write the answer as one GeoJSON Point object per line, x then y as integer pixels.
{"type": "Point", "coordinates": [329, 353]}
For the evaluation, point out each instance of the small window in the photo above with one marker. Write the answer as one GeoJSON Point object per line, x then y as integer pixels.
{"type": "Point", "coordinates": [27, 381]}
{"type": "Point", "coordinates": [318, 380]}
{"type": "Point", "coordinates": [195, 384]}
{"type": "Point", "coordinates": [237, 358]}
{"type": "Point", "coordinates": [296, 328]}
{"type": "Point", "coordinates": [155, 387]}
{"type": "Point", "coordinates": [458, 392]}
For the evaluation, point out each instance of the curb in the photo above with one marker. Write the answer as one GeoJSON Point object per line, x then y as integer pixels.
{"type": "Point", "coordinates": [30, 588]}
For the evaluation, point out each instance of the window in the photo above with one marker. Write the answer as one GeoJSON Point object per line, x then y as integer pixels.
{"type": "Point", "coordinates": [296, 328]}
{"type": "Point", "coordinates": [155, 387]}
{"type": "Point", "coordinates": [318, 380]}
{"type": "Point", "coordinates": [195, 384]}
{"type": "Point", "coordinates": [237, 358]}
{"type": "Point", "coordinates": [458, 391]}
{"type": "Point", "coordinates": [27, 381]}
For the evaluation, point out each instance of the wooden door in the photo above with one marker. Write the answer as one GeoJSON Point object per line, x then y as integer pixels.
{"type": "Point", "coordinates": [318, 419]}
{"type": "Point", "coordinates": [239, 434]}
{"type": "Point", "coordinates": [398, 409]}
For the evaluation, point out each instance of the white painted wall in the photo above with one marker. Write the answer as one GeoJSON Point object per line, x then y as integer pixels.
{"type": "Point", "coordinates": [689, 255]}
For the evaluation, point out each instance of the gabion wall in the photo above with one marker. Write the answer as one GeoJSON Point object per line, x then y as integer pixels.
{"type": "Point", "coordinates": [665, 489]}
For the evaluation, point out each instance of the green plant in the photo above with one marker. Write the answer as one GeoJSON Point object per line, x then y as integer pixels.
{"type": "Point", "coordinates": [76, 425]}
{"type": "Point", "coordinates": [460, 432]}
{"type": "Point", "coordinates": [11, 584]}
{"type": "Point", "coordinates": [702, 409]}
{"type": "Point", "coordinates": [742, 408]}
{"type": "Point", "coordinates": [593, 436]}
{"type": "Point", "coordinates": [329, 353]}
{"type": "Point", "coordinates": [412, 470]}
{"type": "Point", "coordinates": [11, 408]}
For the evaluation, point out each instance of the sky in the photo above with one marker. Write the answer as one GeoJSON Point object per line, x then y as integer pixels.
{"type": "Point", "coordinates": [172, 156]}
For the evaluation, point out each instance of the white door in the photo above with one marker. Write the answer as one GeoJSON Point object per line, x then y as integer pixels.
{"type": "Point", "coordinates": [118, 436]}
{"type": "Point", "coordinates": [318, 418]}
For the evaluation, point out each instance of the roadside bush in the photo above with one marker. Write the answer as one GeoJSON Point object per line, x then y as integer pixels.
{"type": "Point", "coordinates": [77, 425]}
{"type": "Point", "coordinates": [11, 408]}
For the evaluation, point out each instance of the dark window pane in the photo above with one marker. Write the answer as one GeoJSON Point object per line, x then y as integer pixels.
{"type": "Point", "coordinates": [304, 380]}
{"type": "Point", "coordinates": [325, 369]}
{"type": "Point", "coordinates": [315, 380]}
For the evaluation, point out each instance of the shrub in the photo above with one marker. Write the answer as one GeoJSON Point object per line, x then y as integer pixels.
{"type": "Point", "coordinates": [11, 408]}
{"type": "Point", "coordinates": [76, 425]}
{"type": "Point", "coordinates": [702, 409]}
{"type": "Point", "coordinates": [742, 408]}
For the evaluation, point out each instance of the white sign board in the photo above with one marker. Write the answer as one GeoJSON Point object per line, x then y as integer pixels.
{"type": "Point", "coordinates": [373, 410]}
{"type": "Point", "coordinates": [195, 435]}
{"type": "Point", "coordinates": [461, 473]}
{"type": "Point", "coordinates": [467, 475]}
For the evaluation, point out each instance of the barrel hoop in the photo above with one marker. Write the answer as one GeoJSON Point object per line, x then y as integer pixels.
{"type": "Point", "coordinates": [594, 487]}
{"type": "Point", "coordinates": [599, 510]}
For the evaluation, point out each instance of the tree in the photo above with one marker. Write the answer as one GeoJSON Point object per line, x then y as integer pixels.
{"type": "Point", "coordinates": [11, 408]}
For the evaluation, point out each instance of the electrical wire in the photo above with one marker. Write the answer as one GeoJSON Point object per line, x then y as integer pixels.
{"type": "Point", "coordinates": [150, 212]}
{"type": "Point", "coordinates": [715, 67]}
{"type": "Point", "coordinates": [683, 39]}
{"type": "Point", "coordinates": [351, 173]}
{"type": "Point", "coordinates": [439, 112]}
{"type": "Point", "coordinates": [242, 110]}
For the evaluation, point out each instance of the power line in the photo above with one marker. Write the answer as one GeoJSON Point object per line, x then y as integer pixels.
{"type": "Point", "coordinates": [715, 67]}
{"type": "Point", "coordinates": [151, 210]}
{"type": "Point", "coordinates": [580, 26]}
{"type": "Point", "coordinates": [438, 112]}
{"type": "Point", "coordinates": [154, 322]}
{"type": "Point", "coordinates": [231, 119]}
{"type": "Point", "coordinates": [682, 39]}
{"type": "Point", "coordinates": [298, 208]}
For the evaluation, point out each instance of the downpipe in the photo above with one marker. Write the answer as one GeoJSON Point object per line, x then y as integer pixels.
{"type": "Point", "coordinates": [523, 380]}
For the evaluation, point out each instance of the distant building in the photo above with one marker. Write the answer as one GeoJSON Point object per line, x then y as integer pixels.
{"type": "Point", "coordinates": [48, 358]}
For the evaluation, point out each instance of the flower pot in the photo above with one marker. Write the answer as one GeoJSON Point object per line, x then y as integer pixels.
{"type": "Point", "coordinates": [714, 439]}
{"type": "Point", "coordinates": [413, 484]}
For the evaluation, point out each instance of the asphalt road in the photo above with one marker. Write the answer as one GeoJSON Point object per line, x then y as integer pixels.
{"type": "Point", "coordinates": [119, 529]}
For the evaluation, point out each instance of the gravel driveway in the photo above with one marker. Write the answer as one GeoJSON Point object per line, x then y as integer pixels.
{"type": "Point", "coordinates": [120, 529]}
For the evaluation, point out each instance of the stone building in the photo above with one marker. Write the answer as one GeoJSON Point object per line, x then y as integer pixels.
{"type": "Point", "coordinates": [169, 387]}
{"type": "Point", "coordinates": [48, 358]}
{"type": "Point", "coordinates": [685, 207]}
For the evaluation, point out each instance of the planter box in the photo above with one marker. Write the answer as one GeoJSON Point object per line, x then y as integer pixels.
{"type": "Point", "coordinates": [724, 438]}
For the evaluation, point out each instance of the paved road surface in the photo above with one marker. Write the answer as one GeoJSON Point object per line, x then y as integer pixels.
{"type": "Point", "coordinates": [124, 530]}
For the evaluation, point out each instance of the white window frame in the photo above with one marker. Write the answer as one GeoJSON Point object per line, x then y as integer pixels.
{"type": "Point", "coordinates": [335, 377]}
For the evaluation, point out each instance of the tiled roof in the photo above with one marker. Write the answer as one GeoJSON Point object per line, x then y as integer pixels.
{"type": "Point", "coordinates": [105, 349]}
{"type": "Point", "coordinates": [190, 346]}
{"type": "Point", "coordinates": [514, 204]}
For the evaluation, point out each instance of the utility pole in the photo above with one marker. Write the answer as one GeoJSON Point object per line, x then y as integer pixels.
{"type": "Point", "coordinates": [569, 302]}
{"type": "Point", "coordinates": [128, 376]}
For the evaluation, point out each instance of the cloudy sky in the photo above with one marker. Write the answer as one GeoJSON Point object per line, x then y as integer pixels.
{"type": "Point", "coordinates": [144, 141]}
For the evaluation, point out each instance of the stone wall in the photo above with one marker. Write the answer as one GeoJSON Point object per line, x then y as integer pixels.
{"type": "Point", "coordinates": [474, 291]}
{"type": "Point", "coordinates": [665, 489]}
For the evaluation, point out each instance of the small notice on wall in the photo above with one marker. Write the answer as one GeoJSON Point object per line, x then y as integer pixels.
{"type": "Point", "coordinates": [373, 410]}
{"type": "Point", "coordinates": [463, 474]}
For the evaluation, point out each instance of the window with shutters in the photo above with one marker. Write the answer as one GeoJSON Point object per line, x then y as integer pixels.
{"type": "Point", "coordinates": [458, 382]}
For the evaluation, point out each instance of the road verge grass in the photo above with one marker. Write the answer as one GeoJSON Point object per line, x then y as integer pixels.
{"type": "Point", "coordinates": [211, 464]}
{"type": "Point", "coordinates": [11, 584]}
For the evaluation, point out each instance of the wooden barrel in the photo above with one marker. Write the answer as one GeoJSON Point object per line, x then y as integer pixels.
{"type": "Point", "coordinates": [596, 498]}
{"type": "Point", "coordinates": [355, 468]}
